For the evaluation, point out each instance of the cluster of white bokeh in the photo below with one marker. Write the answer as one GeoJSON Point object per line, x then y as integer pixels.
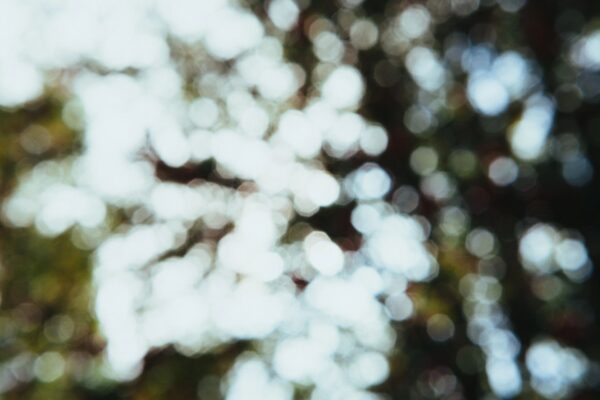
{"type": "Point", "coordinates": [545, 249]}
{"type": "Point", "coordinates": [335, 334]}
{"type": "Point", "coordinates": [494, 81]}
{"type": "Point", "coordinates": [489, 327]}
{"type": "Point", "coordinates": [555, 370]}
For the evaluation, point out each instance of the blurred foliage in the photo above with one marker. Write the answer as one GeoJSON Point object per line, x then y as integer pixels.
{"type": "Point", "coordinates": [45, 283]}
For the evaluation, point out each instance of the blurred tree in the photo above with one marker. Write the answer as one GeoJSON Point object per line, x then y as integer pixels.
{"type": "Point", "coordinates": [489, 113]}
